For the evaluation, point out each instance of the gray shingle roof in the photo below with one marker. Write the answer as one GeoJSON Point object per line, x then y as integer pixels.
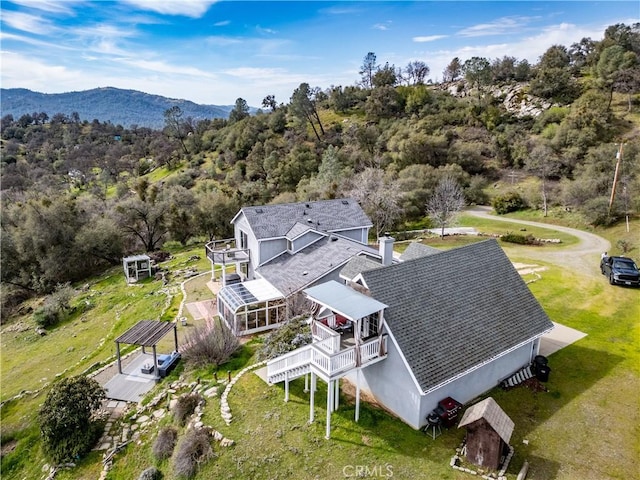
{"type": "Point", "coordinates": [491, 412]}
{"type": "Point", "coordinates": [286, 272]}
{"type": "Point", "coordinates": [417, 250]}
{"type": "Point", "coordinates": [357, 265]}
{"type": "Point", "coordinates": [273, 221]}
{"type": "Point", "coordinates": [452, 311]}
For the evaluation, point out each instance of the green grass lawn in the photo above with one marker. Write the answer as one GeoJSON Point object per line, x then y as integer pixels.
{"type": "Point", "coordinates": [585, 427]}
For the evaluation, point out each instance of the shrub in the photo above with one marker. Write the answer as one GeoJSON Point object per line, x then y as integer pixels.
{"type": "Point", "coordinates": [509, 202]}
{"type": "Point", "coordinates": [151, 473]}
{"type": "Point", "coordinates": [193, 449]}
{"type": "Point", "coordinates": [56, 307]}
{"type": "Point", "coordinates": [293, 334]}
{"type": "Point", "coordinates": [185, 406]}
{"type": "Point", "coordinates": [213, 343]}
{"type": "Point", "coordinates": [46, 316]}
{"type": "Point", "coordinates": [520, 239]}
{"type": "Point", "coordinates": [165, 443]}
{"type": "Point", "coordinates": [66, 418]}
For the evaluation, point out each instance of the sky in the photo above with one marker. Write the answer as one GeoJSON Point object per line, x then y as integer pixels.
{"type": "Point", "coordinates": [214, 52]}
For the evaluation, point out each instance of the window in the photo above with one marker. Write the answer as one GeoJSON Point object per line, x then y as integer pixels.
{"type": "Point", "coordinates": [244, 240]}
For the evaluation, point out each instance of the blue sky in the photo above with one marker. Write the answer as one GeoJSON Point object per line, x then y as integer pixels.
{"type": "Point", "coordinates": [213, 52]}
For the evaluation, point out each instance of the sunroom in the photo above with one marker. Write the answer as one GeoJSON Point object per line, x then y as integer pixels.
{"type": "Point", "coordinates": [251, 307]}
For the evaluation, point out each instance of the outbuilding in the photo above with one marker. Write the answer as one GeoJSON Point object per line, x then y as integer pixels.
{"type": "Point", "coordinates": [489, 430]}
{"type": "Point", "coordinates": [136, 267]}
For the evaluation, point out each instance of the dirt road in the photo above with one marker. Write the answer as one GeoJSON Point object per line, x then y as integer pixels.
{"type": "Point", "coordinates": [583, 257]}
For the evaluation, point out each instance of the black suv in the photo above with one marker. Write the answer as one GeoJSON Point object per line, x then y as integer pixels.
{"type": "Point", "coordinates": [620, 271]}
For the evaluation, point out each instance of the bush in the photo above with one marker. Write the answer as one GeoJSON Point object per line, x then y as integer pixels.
{"type": "Point", "coordinates": [165, 443]}
{"type": "Point", "coordinates": [212, 344]}
{"type": "Point", "coordinates": [151, 473]}
{"type": "Point", "coordinates": [185, 406]}
{"type": "Point", "coordinates": [46, 316]}
{"type": "Point", "coordinates": [66, 418]}
{"type": "Point", "coordinates": [509, 202]}
{"type": "Point", "coordinates": [193, 449]}
{"type": "Point", "coordinates": [520, 239]}
{"type": "Point", "coordinates": [293, 334]}
{"type": "Point", "coordinates": [56, 307]}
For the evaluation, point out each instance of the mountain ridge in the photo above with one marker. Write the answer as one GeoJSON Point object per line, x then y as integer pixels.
{"type": "Point", "coordinates": [106, 104]}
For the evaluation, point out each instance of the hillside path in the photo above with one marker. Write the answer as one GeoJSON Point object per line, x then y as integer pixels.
{"type": "Point", "coordinates": [583, 257]}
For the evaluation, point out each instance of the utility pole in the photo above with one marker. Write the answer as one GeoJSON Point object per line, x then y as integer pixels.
{"type": "Point", "coordinates": [615, 176]}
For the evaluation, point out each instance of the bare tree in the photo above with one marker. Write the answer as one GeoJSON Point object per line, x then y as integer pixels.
{"type": "Point", "coordinates": [544, 163]}
{"type": "Point", "coordinates": [378, 197]}
{"type": "Point", "coordinates": [175, 126]}
{"type": "Point", "coordinates": [416, 72]}
{"type": "Point", "coordinates": [445, 204]}
{"type": "Point", "coordinates": [214, 343]}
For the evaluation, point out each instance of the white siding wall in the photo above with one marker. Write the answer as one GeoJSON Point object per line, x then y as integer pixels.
{"type": "Point", "coordinates": [478, 382]}
{"type": "Point", "coordinates": [390, 382]}
{"type": "Point", "coordinates": [241, 224]}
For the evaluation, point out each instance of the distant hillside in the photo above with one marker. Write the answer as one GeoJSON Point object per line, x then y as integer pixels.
{"type": "Point", "coordinates": [124, 107]}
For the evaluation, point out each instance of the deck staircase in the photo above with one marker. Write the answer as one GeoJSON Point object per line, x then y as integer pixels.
{"type": "Point", "coordinates": [518, 377]}
{"type": "Point", "coordinates": [290, 365]}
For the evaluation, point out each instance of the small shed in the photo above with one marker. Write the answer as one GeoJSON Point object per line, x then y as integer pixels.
{"type": "Point", "coordinates": [136, 267]}
{"type": "Point", "coordinates": [489, 430]}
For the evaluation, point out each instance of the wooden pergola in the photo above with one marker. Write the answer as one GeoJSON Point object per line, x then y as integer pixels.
{"type": "Point", "coordinates": [147, 333]}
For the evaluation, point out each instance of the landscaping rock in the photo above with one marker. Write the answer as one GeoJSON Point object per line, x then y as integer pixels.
{"type": "Point", "coordinates": [226, 442]}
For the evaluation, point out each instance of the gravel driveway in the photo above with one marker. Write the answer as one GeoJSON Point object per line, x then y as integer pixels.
{"type": "Point", "coordinates": [583, 257]}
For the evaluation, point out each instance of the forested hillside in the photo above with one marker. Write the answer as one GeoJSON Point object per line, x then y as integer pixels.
{"type": "Point", "coordinates": [78, 195]}
{"type": "Point", "coordinates": [123, 107]}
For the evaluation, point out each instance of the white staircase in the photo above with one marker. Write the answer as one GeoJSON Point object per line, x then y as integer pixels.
{"type": "Point", "coordinates": [290, 365]}
{"type": "Point", "coordinates": [518, 377]}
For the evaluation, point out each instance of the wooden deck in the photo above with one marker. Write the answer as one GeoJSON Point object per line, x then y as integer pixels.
{"type": "Point", "coordinates": [131, 385]}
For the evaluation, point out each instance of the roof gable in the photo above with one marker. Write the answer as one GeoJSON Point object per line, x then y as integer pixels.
{"type": "Point", "coordinates": [455, 310]}
{"type": "Point", "coordinates": [290, 272]}
{"type": "Point", "coordinates": [491, 412]}
{"type": "Point", "coordinates": [358, 265]}
{"type": "Point", "coordinates": [274, 221]}
{"type": "Point", "coordinates": [417, 250]}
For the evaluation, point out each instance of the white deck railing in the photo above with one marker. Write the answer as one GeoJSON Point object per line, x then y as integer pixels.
{"type": "Point", "coordinates": [328, 339]}
{"type": "Point", "coordinates": [330, 364]}
{"type": "Point", "coordinates": [290, 360]}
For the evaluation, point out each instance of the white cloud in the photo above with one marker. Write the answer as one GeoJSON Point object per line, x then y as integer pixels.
{"type": "Point", "coordinates": [222, 23]}
{"type": "Point", "coordinates": [265, 31]}
{"type": "Point", "coordinates": [43, 44]}
{"type": "Point", "coordinates": [253, 73]}
{"type": "Point", "coordinates": [53, 6]}
{"type": "Point", "coordinates": [26, 22]}
{"type": "Point", "coordinates": [41, 75]}
{"type": "Point", "coordinates": [428, 38]}
{"type": "Point", "coordinates": [383, 26]}
{"type": "Point", "coordinates": [163, 67]}
{"type": "Point", "coordinates": [186, 8]}
{"type": "Point", "coordinates": [500, 26]}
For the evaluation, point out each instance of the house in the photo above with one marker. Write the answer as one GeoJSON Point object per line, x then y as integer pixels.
{"type": "Point", "coordinates": [448, 324]}
{"type": "Point", "coordinates": [279, 250]}
{"type": "Point", "coordinates": [489, 430]}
